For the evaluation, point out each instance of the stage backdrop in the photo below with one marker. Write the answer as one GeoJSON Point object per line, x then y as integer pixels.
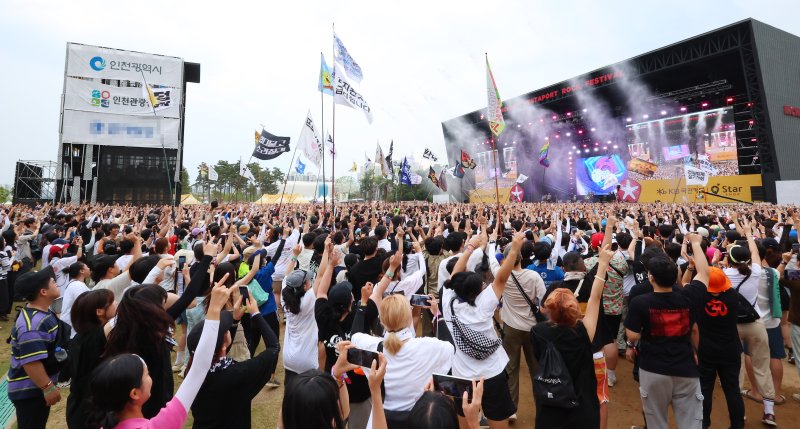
{"type": "Point", "coordinates": [105, 63]}
{"type": "Point", "coordinates": [648, 191]}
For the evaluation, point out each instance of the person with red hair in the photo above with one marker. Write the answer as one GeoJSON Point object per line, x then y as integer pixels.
{"type": "Point", "coordinates": [572, 337]}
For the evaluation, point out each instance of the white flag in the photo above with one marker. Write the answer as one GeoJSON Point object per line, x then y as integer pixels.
{"type": "Point", "coordinates": [379, 158]}
{"type": "Point", "coordinates": [705, 164]}
{"type": "Point", "coordinates": [245, 172]}
{"type": "Point", "coordinates": [310, 142]}
{"type": "Point", "coordinates": [345, 94]}
{"type": "Point", "coordinates": [522, 178]}
{"type": "Point", "coordinates": [341, 56]}
{"type": "Point", "coordinates": [212, 174]}
{"type": "Point", "coordinates": [416, 179]}
{"type": "Point", "coordinates": [695, 176]}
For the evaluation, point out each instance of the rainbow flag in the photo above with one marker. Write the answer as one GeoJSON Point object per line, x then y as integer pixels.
{"type": "Point", "coordinates": [495, 105]}
{"type": "Point", "coordinates": [543, 153]}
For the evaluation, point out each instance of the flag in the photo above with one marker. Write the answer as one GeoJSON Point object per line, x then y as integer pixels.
{"type": "Point", "coordinates": [705, 164]}
{"type": "Point", "coordinates": [467, 161]}
{"type": "Point", "coordinates": [416, 179]}
{"type": "Point", "coordinates": [389, 158]}
{"type": "Point", "coordinates": [405, 172]}
{"type": "Point", "coordinates": [270, 146]}
{"type": "Point", "coordinates": [310, 142]}
{"type": "Point", "coordinates": [346, 95]}
{"type": "Point", "coordinates": [245, 172]}
{"type": "Point", "coordinates": [330, 146]}
{"type": "Point", "coordinates": [354, 168]}
{"type": "Point", "coordinates": [458, 170]}
{"type": "Point", "coordinates": [695, 176]}
{"type": "Point", "coordinates": [495, 107]}
{"type": "Point", "coordinates": [442, 181]}
{"type": "Point", "coordinates": [300, 168]}
{"type": "Point", "coordinates": [258, 137]}
{"type": "Point", "coordinates": [385, 168]}
{"type": "Point", "coordinates": [432, 176]}
{"type": "Point", "coordinates": [157, 98]}
{"type": "Point", "coordinates": [428, 154]}
{"type": "Point", "coordinates": [543, 152]}
{"type": "Point", "coordinates": [212, 174]}
{"type": "Point", "coordinates": [343, 57]}
{"type": "Point", "coordinates": [325, 85]}
{"type": "Point", "coordinates": [203, 169]}
{"type": "Point", "coordinates": [522, 178]}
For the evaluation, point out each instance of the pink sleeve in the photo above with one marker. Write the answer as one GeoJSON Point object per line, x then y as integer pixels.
{"type": "Point", "coordinates": [172, 416]}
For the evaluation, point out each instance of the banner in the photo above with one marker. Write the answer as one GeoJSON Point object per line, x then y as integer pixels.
{"type": "Point", "coordinates": [405, 172]}
{"type": "Point", "coordinates": [212, 174]}
{"type": "Point", "coordinates": [270, 146]}
{"type": "Point", "coordinates": [738, 187]}
{"type": "Point", "coordinates": [645, 168]}
{"type": "Point", "coordinates": [106, 63]}
{"type": "Point", "coordinates": [310, 141]}
{"type": "Point", "coordinates": [432, 175]}
{"type": "Point", "coordinates": [385, 168]}
{"type": "Point", "coordinates": [705, 164]}
{"type": "Point", "coordinates": [695, 176]}
{"type": "Point", "coordinates": [325, 84]}
{"type": "Point", "coordinates": [428, 154]}
{"type": "Point", "coordinates": [245, 172]}
{"type": "Point", "coordinates": [389, 159]}
{"type": "Point", "coordinates": [346, 95]}
{"type": "Point", "coordinates": [89, 96]}
{"type": "Point", "coordinates": [495, 106]}
{"type": "Point", "coordinates": [416, 179]}
{"type": "Point", "coordinates": [522, 178]}
{"type": "Point", "coordinates": [488, 195]}
{"type": "Point", "coordinates": [458, 170]}
{"type": "Point", "coordinates": [467, 161]}
{"type": "Point", "coordinates": [343, 57]}
{"type": "Point", "coordinates": [442, 181]}
{"type": "Point", "coordinates": [300, 168]}
{"type": "Point", "coordinates": [115, 130]}
{"type": "Point", "coordinates": [329, 146]}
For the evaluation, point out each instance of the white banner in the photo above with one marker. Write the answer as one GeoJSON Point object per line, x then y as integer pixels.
{"type": "Point", "coordinates": [115, 130]}
{"type": "Point", "coordinates": [93, 96]}
{"type": "Point", "coordinates": [345, 94]}
{"type": "Point", "coordinates": [212, 174]}
{"type": "Point", "coordinates": [705, 164]}
{"type": "Point", "coordinates": [106, 63]}
{"type": "Point", "coordinates": [310, 141]}
{"type": "Point", "coordinates": [695, 176]}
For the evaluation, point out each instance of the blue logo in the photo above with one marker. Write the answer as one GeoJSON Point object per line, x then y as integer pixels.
{"type": "Point", "coordinates": [97, 63]}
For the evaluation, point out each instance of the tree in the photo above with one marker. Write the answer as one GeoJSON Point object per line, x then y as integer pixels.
{"type": "Point", "coordinates": [5, 194]}
{"type": "Point", "coordinates": [185, 185]}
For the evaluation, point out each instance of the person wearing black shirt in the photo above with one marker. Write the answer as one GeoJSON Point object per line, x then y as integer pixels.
{"type": "Point", "coordinates": [664, 321]}
{"type": "Point", "coordinates": [366, 270]}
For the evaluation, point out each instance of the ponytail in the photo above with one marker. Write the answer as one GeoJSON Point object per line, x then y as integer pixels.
{"type": "Point", "coordinates": [291, 299]}
{"type": "Point", "coordinates": [392, 343]}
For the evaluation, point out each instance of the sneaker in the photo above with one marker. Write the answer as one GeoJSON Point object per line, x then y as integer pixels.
{"type": "Point", "coordinates": [796, 396]}
{"type": "Point", "coordinates": [273, 383]}
{"type": "Point", "coordinates": [612, 380]}
{"type": "Point", "coordinates": [63, 384]}
{"type": "Point", "coordinates": [177, 367]}
{"type": "Point", "coordinates": [769, 420]}
{"type": "Point", "coordinates": [513, 418]}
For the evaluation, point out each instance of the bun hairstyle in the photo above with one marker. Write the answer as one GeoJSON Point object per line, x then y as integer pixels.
{"type": "Point", "coordinates": [292, 297]}
{"type": "Point", "coordinates": [74, 270]}
{"type": "Point", "coordinates": [739, 256]}
{"type": "Point", "coordinates": [562, 307]}
{"type": "Point", "coordinates": [395, 313]}
{"type": "Point", "coordinates": [110, 388]}
{"type": "Point", "coordinates": [466, 285]}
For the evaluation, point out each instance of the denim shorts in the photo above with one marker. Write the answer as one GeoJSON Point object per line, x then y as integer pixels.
{"type": "Point", "coordinates": [776, 350]}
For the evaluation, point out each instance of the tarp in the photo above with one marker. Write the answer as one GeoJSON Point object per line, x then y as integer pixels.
{"type": "Point", "coordinates": [276, 198]}
{"type": "Point", "coordinates": [189, 200]}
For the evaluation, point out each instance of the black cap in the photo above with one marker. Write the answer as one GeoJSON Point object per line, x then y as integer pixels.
{"type": "Point", "coordinates": [31, 282]}
{"type": "Point", "coordinates": [341, 294]}
{"type": "Point", "coordinates": [770, 243]}
{"type": "Point", "coordinates": [225, 323]}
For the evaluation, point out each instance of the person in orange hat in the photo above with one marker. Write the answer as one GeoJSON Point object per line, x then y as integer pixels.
{"type": "Point", "coordinates": [719, 349]}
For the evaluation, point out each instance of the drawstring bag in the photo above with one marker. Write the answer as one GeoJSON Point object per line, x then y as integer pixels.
{"type": "Point", "coordinates": [473, 343]}
{"type": "Point", "coordinates": [552, 384]}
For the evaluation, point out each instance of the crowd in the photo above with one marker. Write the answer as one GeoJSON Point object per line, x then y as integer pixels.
{"type": "Point", "coordinates": [673, 171]}
{"type": "Point", "coordinates": [404, 315]}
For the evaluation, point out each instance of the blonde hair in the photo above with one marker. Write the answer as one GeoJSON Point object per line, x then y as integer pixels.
{"type": "Point", "coordinates": [562, 307]}
{"type": "Point", "coordinates": [395, 313]}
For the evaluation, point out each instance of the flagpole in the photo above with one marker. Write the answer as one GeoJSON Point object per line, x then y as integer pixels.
{"type": "Point", "coordinates": [286, 179]}
{"type": "Point", "coordinates": [494, 155]}
{"type": "Point", "coordinates": [322, 108]}
{"type": "Point", "coordinates": [333, 143]}
{"type": "Point", "coordinates": [163, 149]}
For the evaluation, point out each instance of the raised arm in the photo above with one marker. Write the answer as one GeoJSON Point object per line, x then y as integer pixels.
{"type": "Point", "coordinates": [499, 285]}
{"type": "Point", "coordinates": [323, 282]}
{"type": "Point", "coordinates": [700, 261]}
{"type": "Point", "coordinates": [593, 306]}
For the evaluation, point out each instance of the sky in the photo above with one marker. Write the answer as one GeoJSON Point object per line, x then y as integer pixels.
{"type": "Point", "coordinates": [423, 62]}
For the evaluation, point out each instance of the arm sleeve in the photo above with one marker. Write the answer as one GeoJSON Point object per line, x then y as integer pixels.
{"type": "Point", "coordinates": [193, 289]}
{"type": "Point", "coordinates": [202, 361]}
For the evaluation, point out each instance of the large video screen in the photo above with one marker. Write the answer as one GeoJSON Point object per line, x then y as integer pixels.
{"type": "Point", "coordinates": [659, 148]}
{"type": "Point", "coordinates": [599, 175]}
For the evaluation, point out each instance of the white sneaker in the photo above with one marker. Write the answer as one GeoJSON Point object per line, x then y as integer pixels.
{"type": "Point", "coordinates": [612, 380]}
{"type": "Point", "coordinates": [796, 396]}
{"type": "Point", "coordinates": [513, 418]}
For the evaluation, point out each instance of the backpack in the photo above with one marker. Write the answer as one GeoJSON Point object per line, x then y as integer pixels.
{"type": "Point", "coordinates": [747, 313]}
{"type": "Point", "coordinates": [552, 384]}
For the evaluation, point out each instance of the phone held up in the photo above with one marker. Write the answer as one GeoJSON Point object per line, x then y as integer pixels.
{"type": "Point", "coordinates": [361, 357]}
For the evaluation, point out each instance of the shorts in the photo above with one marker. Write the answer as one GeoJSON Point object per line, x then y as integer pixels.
{"type": "Point", "coordinates": [182, 319]}
{"type": "Point", "coordinates": [776, 350]}
{"type": "Point", "coordinates": [496, 403]}
{"type": "Point", "coordinates": [602, 377]}
{"type": "Point", "coordinates": [611, 324]}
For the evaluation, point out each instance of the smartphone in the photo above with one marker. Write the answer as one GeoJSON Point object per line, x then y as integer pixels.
{"type": "Point", "coordinates": [361, 357]}
{"type": "Point", "coordinates": [419, 300]}
{"type": "Point", "coordinates": [245, 293]}
{"type": "Point", "coordinates": [181, 262]}
{"type": "Point", "coordinates": [795, 247]}
{"type": "Point", "coordinates": [452, 386]}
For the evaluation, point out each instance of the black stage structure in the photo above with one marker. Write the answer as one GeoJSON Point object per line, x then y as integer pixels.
{"type": "Point", "coordinates": [747, 70]}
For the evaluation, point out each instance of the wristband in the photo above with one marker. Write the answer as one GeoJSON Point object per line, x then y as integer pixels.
{"type": "Point", "coordinates": [390, 274]}
{"type": "Point", "coordinates": [470, 247]}
{"type": "Point", "coordinates": [294, 258]}
{"type": "Point", "coordinates": [49, 383]}
{"type": "Point", "coordinates": [50, 390]}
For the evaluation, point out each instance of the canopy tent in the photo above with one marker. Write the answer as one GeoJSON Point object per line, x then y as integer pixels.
{"type": "Point", "coordinates": [189, 200]}
{"type": "Point", "coordinates": [276, 198]}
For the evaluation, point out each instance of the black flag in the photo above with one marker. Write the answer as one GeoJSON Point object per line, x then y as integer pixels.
{"type": "Point", "coordinates": [270, 146]}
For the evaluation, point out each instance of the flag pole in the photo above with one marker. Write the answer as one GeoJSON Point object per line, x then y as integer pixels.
{"type": "Point", "coordinates": [494, 155]}
{"type": "Point", "coordinates": [286, 179]}
{"type": "Point", "coordinates": [163, 149]}
{"type": "Point", "coordinates": [333, 143]}
{"type": "Point", "coordinates": [324, 193]}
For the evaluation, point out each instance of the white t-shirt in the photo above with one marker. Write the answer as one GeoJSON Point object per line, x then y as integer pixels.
{"type": "Point", "coordinates": [385, 245]}
{"type": "Point", "coordinates": [478, 318]}
{"type": "Point", "coordinates": [300, 345]}
{"type": "Point", "coordinates": [474, 259]}
{"type": "Point", "coordinates": [412, 282]}
{"type": "Point", "coordinates": [123, 261]}
{"type": "Point", "coordinates": [409, 370]}
{"type": "Point", "coordinates": [304, 258]}
{"type": "Point", "coordinates": [72, 290]}
{"type": "Point", "coordinates": [749, 289]}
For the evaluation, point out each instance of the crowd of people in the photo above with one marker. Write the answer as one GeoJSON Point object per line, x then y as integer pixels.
{"type": "Point", "coordinates": [397, 315]}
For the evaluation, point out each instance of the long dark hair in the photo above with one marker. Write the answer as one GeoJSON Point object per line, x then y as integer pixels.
{"type": "Point", "coordinates": [467, 285]}
{"type": "Point", "coordinates": [292, 297]}
{"type": "Point", "coordinates": [433, 410]}
{"type": "Point", "coordinates": [312, 390]}
{"type": "Point", "coordinates": [84, 310]}
{"type": "Point", "coordinates": [739, 257]}
{"type": "Point", "coordinates": [110, 388]}
{"type": "Point", "coordinates": [141, 323]}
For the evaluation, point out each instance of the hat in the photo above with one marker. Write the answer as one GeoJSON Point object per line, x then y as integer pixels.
{"type": "Point", "coordinates": [703, 232]}
{"type": "Point", "coordinates": [597, 239]}
{"type": "Point", "coordinates": [57, 248]}
{"type": "Point", "coordinates": [32, 281]}
{"type": "Point", "coordinates": [225, 323]}
{"type": "Point", "coordinates": [340, 294]}
{"type": "Point", "coordinates": [770, 243]}
{"type": "Point", "coordinates": [197, 231]}
{"type": "Point", "coordinates": [297, 279]}
{"type": "Point", "coordinates": [244, 228]}
{"type": "Point", "coordinates": [718, 282]}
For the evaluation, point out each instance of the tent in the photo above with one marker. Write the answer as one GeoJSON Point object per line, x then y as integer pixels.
{"type": "Point", "coordinates": [276, 198]}
{"type": "Point", "coordinates": [189, 200]}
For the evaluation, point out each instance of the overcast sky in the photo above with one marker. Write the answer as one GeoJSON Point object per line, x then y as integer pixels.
{"type": "Point", "coordinates": [422, 61]}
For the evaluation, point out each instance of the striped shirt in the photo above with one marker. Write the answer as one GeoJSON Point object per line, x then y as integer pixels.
{"type": "Point", "coordinates": [33, 333]}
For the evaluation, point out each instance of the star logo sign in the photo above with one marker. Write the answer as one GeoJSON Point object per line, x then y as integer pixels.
{"type": "Point", "coordinates": [517, 193]}
{"type": "Point", "coordinates": [630, 190]}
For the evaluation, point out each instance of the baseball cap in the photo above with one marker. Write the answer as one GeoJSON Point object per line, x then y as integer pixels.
{"type": "Point", "coordinates": [770, 243]}
{"type": "Point", "coordinates": [225, 323]}
{"type": "Point", "coordinates": [297, 279]}
{"type": "Point", "coordinates": [597, 239]}
{"type": "Point", "coordinates": [57, 248]}
{"type": "Point", "coordinates": [718, 282]}
{"type": "Point", "coordinates": [703, 232]}
{"type": "Point", "coordinates": [32, 281]}
{"type": "Point", "coordinates": [198, 231]}
{"type": "Point", "coordinates": [341, 294]}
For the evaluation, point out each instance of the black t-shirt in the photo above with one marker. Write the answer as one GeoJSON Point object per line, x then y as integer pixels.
{"type": "Point", "coordinates": [583, 297]}
{"type": "Point", "coordinates": [368, 270]}
{"type": "Point", "coordinates": [645, 287]}
{"type": "Point", "coordinates": [665, 321]}
{"type": "Point", "coordinates": [330, 331]}
{"type": "Point", "coordinates": [716, 320]}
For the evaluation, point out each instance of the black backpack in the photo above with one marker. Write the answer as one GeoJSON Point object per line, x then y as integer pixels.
{"type": "Point", "coordinates": [552, 384]}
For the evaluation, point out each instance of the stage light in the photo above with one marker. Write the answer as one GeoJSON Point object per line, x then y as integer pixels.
{"type": "Point", "coordinates": [481, 116]}
{"type": "Point", "coordinates": [729, 99]}
{"type": "Point", "coordinates": [754, 139]}
{"type": "Point", "coordinates": [663, 112]}
{"type": "Point", "coordinates": [595, 149]}
{"type": "Point", "coordinates": [555, 117]}
{"type": "Point", "coordinates": [683, 108]}
{"type": "Point", "coordinates": [584, 110]}
{"type": "Point", "coordinates": [605, 147]}
{"type": "Point", "coordinates": [569, 113]}
{"type": "Point", "coordinates": [530, 123]}
{"type": "Point", "coordinates": [558, 136]}
{"type": "Point", "coordinates": [573, 147]}
{"type": "Point", "coordinates": [514, 142]}
{"type": "Point", "coordinates": [580, 131]}
{"type": "Point", "coordinates": [592, 128]}
{"type": "Point", "coordinates": [615, 147]}
{"type": "Point", "coordinates": [629, 119]}
{"type": "Point", "coordinates": [569, 153]}
{"type": "Point", "coordinates": [541, 120]}
{"type": "Point", "coordinates": [569, 134]}
{"type": "Point", "coordinates": [645, 116]}
{"type": "Point", "coordinates": [704, 104]}
{"type": "Point", "coordinates": [749, 104]}
{"type": "Point", "coordinates": [586, 151]}
{"type": "Point", "coordinates": [519, 125]}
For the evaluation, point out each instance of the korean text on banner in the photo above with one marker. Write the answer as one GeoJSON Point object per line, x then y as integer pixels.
{"type": "Point", "coordinates": [695, 176]}
{"type": "Point", "coordinates": [91, 96]}
{"type": "Point", "coordinates": [116, 130]}
{"type": "Point", "coordinates": [310, 141]}
{"type": "Point", "coordinates": [106, 63]}
{"type": "Point", "coordinates": [345, 94]}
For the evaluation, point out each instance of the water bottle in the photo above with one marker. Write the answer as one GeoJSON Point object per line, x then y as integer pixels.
{"type": "Point", "coordinates": [61, 354]}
